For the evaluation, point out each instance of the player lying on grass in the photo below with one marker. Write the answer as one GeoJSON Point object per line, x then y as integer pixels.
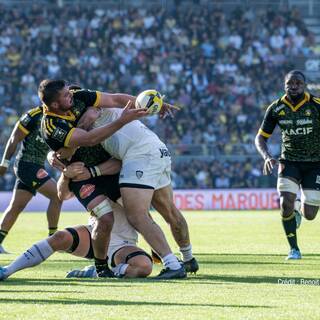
{"type": "Point", "coordinates": [127, 260]}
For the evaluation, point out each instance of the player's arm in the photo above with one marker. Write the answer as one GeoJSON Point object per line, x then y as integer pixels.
{"type": "Point", "coordinates": [63, 190]}
{"type": "Point", "coordinates": [109, 167]}
{"type": "Point", "coordinates": [118, 100]}
{"type": "Point", "coordinates": [81, 138]}
{"type": "Point", "coordinates": [17, 135]}
{"type": "Point", "coordinates": [268, 124]}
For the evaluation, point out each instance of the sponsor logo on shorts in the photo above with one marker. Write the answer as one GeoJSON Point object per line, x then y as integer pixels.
{"type": "Point", "coordinates": [139, 174]}
{"type": "Point", "coordinates": [318, 179]}
{"type": "Point", "coordinates": [42, 174]}
{"type": "Point", "coordinates": [86, 190]}
{"type": "Point", "coordinates": [164, 153]}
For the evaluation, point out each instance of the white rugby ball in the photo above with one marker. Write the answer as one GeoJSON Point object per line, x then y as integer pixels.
{"type": "Point", "coordinates": [149, 99]}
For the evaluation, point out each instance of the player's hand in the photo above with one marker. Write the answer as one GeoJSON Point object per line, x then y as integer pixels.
{"type": "Point", "coordinates": [74, 169]}
{"type": "Point", "coordinates": [84, 175]}
{"type": "Point", "coordinates": [88, 118]}
{"type": "Point", "coordinates": [66, 153]}
{"type": "Point", "coordinates": [269, 165]}
{"type": "Point", "coordinates": [130, 113]}
{"type": "Point", "coordinates": [167, 110]}
{"type": "Point", "coordinates": [3, 170]}
{"type": "Point", "coordinates": [54, 161]}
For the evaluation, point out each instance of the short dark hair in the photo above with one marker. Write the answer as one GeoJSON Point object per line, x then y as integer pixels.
{"type": "Point", "coordinates": [49, 89]}
{"type": "Point", "coordinates": [292, 72]}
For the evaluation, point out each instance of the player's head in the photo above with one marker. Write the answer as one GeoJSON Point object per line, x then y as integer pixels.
{"type": "Point", "coordinates": [55, 94]}
{"type": "Point", "coordinates": [294, 84]}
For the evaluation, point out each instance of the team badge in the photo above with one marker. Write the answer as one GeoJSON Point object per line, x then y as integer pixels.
{"type": "Point", "coordinates": [308, 113]}
{"type": "Point", "coordinates": [59, 134]}
{"type": "Point", "coordinates": [42, 174]}
{"type": "Point", "coordinates": [282, 113]}
{"type": "Point", "coordinates": [139, 174]}
{"type": "Point", "coordinates": [86, 190]}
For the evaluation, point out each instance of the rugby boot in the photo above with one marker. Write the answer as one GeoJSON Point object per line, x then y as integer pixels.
{"type": "Point", "coordinates": [87, 272]}
{"type": "Point", "coordinates": [191, 266]}
{"type": "Point", "coordinates": [3, 275]}
{"type": "Point", "coordinates": [168, 274]}
{"type": "Point", "coordinates": [294, 254]}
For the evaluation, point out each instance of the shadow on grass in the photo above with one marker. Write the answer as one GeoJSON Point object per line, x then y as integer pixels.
{"type": "Point", "coordinates": [63, 282]}
{"type": "Point", "coordinates": [106, 302]}
{"type": "Point", "coordinates": [252, 259]}
{"type": "Point", "coordinates": [39, 291]}
{"type": "Point", "coordinates": [217, 279]}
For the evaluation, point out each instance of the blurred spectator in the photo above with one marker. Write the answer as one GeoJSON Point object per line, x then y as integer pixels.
{"type": "Point", "coordinates": [222, 69]}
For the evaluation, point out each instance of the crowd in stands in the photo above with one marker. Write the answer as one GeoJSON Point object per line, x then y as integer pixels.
{"type": "Point", "coordinates": [221, 68]}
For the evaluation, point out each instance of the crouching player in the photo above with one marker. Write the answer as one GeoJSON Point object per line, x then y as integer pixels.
{"type": "Point", "coordinates": [127, 260]}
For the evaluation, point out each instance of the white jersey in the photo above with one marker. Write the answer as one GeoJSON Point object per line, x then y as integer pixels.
{"type": "Point", "coordinates": [131, 139]}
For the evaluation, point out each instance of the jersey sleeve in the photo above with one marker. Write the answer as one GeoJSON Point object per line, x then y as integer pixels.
{"type": "Point", "coordinates": [29, 121]}
{"type": "Point", "coordinates": [88, 97]}
{"type": "Point", "coordinates": [57, 132]}
{"type": "Point", "coordinates": [268, 124]}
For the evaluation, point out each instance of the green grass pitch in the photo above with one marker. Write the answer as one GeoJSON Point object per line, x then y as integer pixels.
{"type": "Point", "coordinates": [241, 256]}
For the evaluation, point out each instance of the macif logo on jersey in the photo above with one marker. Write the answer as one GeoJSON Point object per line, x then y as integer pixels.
{"type": "Point", "coordinates": [86, 190]}
{"type": "Point", "coordinates": [298, 131]}
{"type": "Point", "coordinates": [42, 174]}
{"type": "Point", "coordinates": [139, 174]}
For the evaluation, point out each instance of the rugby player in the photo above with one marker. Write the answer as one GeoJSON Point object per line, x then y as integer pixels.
{"type": "Point", "coordinates": [58, 128]}
{"type": "Point", "coordinates": [127, 259]}
{"type": "Point", "coordinates": [145, 178]}
{"type": "Point", "coordinates": [297, 114]}
{"type": "Point", "coordinates": [30, 172]}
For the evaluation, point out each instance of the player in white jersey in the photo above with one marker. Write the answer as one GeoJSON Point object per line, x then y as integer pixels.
{"type": "Point", "coordinates": [127, 260]}
{"type": "Point", "coordinates": [145, 179]}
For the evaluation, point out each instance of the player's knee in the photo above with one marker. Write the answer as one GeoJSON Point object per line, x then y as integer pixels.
{"type": "Point", "coordinates": [104, 223]}
{"type": "Point", "coordinates": [144, 268]}
{"type": "Point", "coordinates": [60, 240]}
{"type": "Point", "coordinates": [286, 206]}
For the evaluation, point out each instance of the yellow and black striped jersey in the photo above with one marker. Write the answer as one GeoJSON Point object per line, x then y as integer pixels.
{"type": "Point", "coordinates": [299, 125]}
{"type": "Point", "coordinates": [33, 148]}
{"type": "Point", "coordinates": [57, 129]}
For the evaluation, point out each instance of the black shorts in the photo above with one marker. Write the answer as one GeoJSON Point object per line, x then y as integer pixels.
{"type": "Point", "coordinates": [307, 174]}
{"type": "Point", "coordinates": [30, 176]}
{"type": "Point", "coordinates": [87, 190]}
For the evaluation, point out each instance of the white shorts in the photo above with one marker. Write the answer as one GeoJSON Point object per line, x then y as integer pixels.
{"type": "Point", "coordinates": [152, 170]}
{"type": "Point", "coordinates": [114, 248]}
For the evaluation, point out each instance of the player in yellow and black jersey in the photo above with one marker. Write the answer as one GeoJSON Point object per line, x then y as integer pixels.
{"type": "Point", "coordinates": [30, 172]}
{"type": "Point", "coordinates": [297, 114]}
{"type": "Point", "coordinates": [62, 111]}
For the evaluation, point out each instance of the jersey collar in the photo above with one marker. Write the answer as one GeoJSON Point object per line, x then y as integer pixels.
{"type": "Point", "coordinates": [69, 116]}
{"type": "Point", "coordinates": [301, 103]}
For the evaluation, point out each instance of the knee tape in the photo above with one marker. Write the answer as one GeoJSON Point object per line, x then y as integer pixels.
{"type": "Point", "coordinates": [101, 209]}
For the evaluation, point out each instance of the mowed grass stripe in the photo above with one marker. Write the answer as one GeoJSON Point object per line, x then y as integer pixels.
{"type": "Point", "coordinates": [241, 256]}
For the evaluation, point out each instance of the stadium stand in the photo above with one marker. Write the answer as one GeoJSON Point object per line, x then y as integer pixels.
{"type": "Point", "coordinates": [221, 66]}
